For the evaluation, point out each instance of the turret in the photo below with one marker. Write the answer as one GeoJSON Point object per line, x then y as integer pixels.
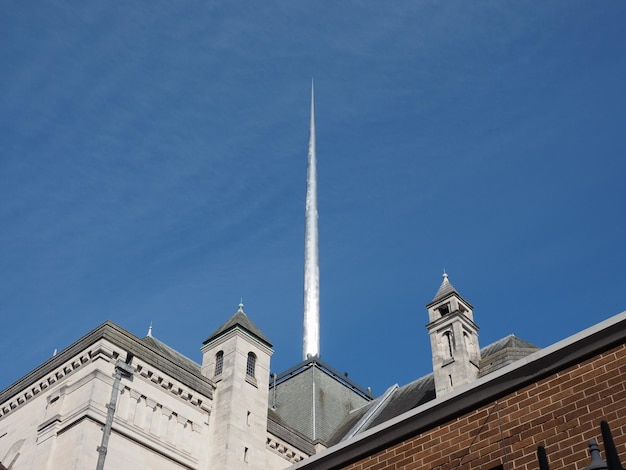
{"type": "Point", "coordinates": [453, 339]}
{"type": "Point", "coordinates": [237, 358]}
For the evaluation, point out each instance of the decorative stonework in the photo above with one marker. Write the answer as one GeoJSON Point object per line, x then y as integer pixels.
{"type": "Point", "coordinates": [177, 389]}
{"type": "Point", "coordinates": [105, 351]}
{"type": "Point", "coordinates": [286, 451]}
{"type": "Point", "coordinates": [46, 382]}
{"type": "Point", "coordinates": [157, 420]}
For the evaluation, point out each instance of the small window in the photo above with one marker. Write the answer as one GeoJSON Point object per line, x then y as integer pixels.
{"type": "Point", "coordinates": [448, 343]}
{"type": "Point", "coordinates": [466, 339]}
{"type": "Point", "coordinates": [251, 364]}
{"type": "Point", "coordinates": [219, 363]}
{"type": "Point", "coordinates": [444, 309]}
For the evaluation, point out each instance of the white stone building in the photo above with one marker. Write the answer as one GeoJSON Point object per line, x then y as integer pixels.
{"type": "Point", "coordinates": [116, 401]}
{"type": "Point", "coordinates": [171, 412]}
{"type": "Point", "coordinates": [225, 413]}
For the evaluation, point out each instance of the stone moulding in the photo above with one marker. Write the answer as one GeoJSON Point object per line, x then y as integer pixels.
{"type": "Point", "coordinates": [283, 449]}
{"type": "Point", "coordinates": [107, 342]}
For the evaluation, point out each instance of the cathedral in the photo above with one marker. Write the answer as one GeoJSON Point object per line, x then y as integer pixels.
{"type": "Point", "coordinates": [113, 400]}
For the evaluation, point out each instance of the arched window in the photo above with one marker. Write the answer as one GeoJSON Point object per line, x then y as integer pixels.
{"type": "Point", "coordinates": [219, 363]}
{"type": "Point", "coordinates": [448, 343]}
{"type": "Point", "coordinates": [251, 364]}
{"type": "Point", "coordinates": [468, 344]}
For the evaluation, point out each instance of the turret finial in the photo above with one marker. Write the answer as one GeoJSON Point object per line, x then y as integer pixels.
{"type": "Point", "coordinates": [150, 330]}
{"type": "Point", "coordinates": [241, 306]}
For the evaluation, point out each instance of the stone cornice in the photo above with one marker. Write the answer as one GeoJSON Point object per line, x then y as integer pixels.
{"type": "Point", "coordinates": [285, 450]}
{"type": "Point", "coordinates": [86, 350]}
{"type": "Point", "coordinates": [450, 318]}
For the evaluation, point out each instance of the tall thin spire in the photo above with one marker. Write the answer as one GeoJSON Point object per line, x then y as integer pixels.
{"type": "Point", "coordinates": [311, 342]}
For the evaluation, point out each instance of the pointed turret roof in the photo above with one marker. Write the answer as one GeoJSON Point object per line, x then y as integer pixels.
{"type": "Point", "coordinates": [445, 290]}
{"type": "Point", "coordinates": [240, 320]}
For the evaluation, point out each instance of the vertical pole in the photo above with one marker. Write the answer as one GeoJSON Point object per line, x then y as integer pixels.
{"type": "Point", "coordinates": [121, 369]}
{"type": "Point", "coordinates": [543, 458]}
{"type": "Point", "coordinates": [612, 458]}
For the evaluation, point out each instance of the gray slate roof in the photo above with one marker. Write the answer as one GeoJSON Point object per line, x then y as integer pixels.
{"type": "Point", "coordinates": [406, 398]}
{"type": "Point", "coordinates": [281, 430]}
{"type": "Point", "coordinates": [503, 352]}
{"type": "Point", "coordinates": [495, 356]}
{"type": "Point", "coordinates": [446, 289]}
{"type": "Point", "coordinates": [149, 350]}
{"type": "Point", "coordinates": [314, 399]}
{"type": "Point", "coordinates": [171, 354]}
{"type": "Point", "coordinates": [239, 319]}
{"type": "Point", "coordinates": [510, 341]}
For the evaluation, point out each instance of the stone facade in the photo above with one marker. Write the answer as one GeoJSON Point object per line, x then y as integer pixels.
{"type": "Point", "coordinates": [238, 435]}
{"type": "Point", "coordinates": [168, 415]}
{"type": "Point", "coordinates": [56, 421]}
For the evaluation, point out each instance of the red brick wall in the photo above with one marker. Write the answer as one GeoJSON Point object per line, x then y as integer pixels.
{"type": "Point", "coordinates": [561, 412]}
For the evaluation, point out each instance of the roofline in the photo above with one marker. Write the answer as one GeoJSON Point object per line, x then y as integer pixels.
{"type": "Point", "coordinates": [218, 334]}
{"type": "Point", "coordinates": [445, 318]}
{"type": "Point", "coordinates": [237, 330]}
{"type": "Point", "coordinates": [453, 293]}
{"type": "Point", "coordinates": [237, 326]}
{"type": "Point", "coordinates": [511, 335]}
{"type": "Point", "coordinates": [298, 440]}
{"type": "Point", "coordinates": [121, 338]}
{"type": "Point", "coordinates": [545, 362]}
{"type": "Point", "coordinates": [295, 370]}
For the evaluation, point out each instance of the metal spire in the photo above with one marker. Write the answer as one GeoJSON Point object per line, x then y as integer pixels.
{"type": "Point", "coordinates": [150, 330]}
{"type": "Point", "coordinates": [311, 342]}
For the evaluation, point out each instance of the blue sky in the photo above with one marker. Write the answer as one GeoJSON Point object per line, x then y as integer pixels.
{"type": "Point", "coordinates": [153, 169]}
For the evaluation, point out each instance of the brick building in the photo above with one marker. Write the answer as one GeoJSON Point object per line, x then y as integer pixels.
{"type": "Point", "coordinates": [555, 397]}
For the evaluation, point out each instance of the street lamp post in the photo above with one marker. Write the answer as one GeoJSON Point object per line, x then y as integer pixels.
{"type": "Point", "coordinates": [122, 370]}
